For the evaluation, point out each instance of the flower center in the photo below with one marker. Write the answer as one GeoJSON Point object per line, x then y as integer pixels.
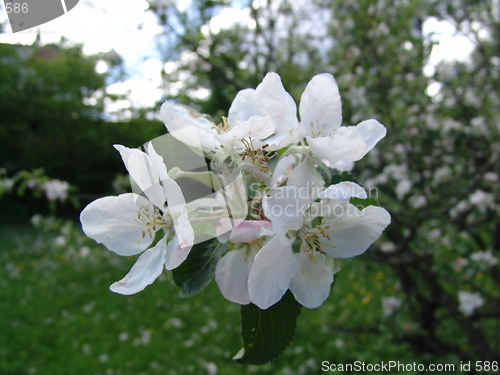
{"type": "Point", "coordinates": [309, 238]}
{"type": "Point", "coordinates": [152, 220]}
{"type": "Point", "coordinates": [222, 128]}
{"type": "Point", "coordinates": [318, 130]}
{"type": "Point", "coordinates": [258, 157]}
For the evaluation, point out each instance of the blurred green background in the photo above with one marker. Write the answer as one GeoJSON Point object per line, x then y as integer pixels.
{"type": "Point", "coordinates": [427, 292]}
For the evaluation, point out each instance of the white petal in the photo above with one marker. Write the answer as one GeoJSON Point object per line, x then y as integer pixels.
{"type": "Point", "coordinates": [143, 172]}
{"type": "Point", "coordinates": [352, 231]}
{"type": "Point", "coordinates": [320, 106]}
{"type": "Point", "coordinates": [176, 254]}
{"type": "Point", "coordinates": [251, 230]}
{"type": "Point", "coordinates": [306, 176]}
{"type": "Point", "coordinates": [242, 107]}
{"type": "Point", "coordinates": [255, 127]}
{"type": "Point", "coordinates": [243, 231]}
{"type": "Point", "coordinates": [345, 144]}
{"type": "Point", "coordinates": [231, 275]}
{"type": "Point", "coordinates": [285, 207]}
{"type": "Point", "coordinates": [189, 127]}
{"type": "Point", "coordinates": [272, 99]}
{"type": "Point", "coordinates": [371, 131]}
{"type": "Point", "coordinates": [224, 228]}
{"type": "Point", "coordinates": [311, 285]}
{"type": "Point", "coordinates": [234, 196]}
{"type": "Point", "coordinates": [157, 162]}
{"type": "Point", "coordinates": [343, 191]}
{"type": "Point", "coordinates": [282, 170]}
{"type": "Point", "coordinates": [342, 166]}
{"type": "Point", "coordinates": [280, 140]}
{"type": "Point", "coordinates": [112, 221]}
{"type": "Point", "coordinates": [273, 268]}
{"type": "Point", "coordinates": [147, 268]}
{"type": "Point", "coordinates": [178, 210]}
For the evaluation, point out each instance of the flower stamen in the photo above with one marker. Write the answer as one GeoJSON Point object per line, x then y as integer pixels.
{"type": "Point", "coordinates": [223, 127]}
{"type": "Point", "coordinates": [152, 220]}
{"type": "Point", "coordinates": [259, 157]}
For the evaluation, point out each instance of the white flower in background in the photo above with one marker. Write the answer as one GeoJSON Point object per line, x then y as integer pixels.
{"type": "Point", "coordinates": [60, 241]}
{"type": "Point", "coordinates": [491, 177]}
{"type": "Point", "coordinates": [482, 199]}
{"type": "Point", "coordinates": [469, 302]}
{"type": "Point", "coordinates": [33, 183]}
{"type": "Point", "coordinates": [84, 251]}
{"type": "Point", "coordinates": [402, 188]}
{"type": "Point", "coordinates": [36, 220]}
{"type": "Point", "coordinates": [485, 258]}
{"type": "Point", "coordinates": [6, 184]}
{"type": "Point", "coordinates": [418, 201]}
{"type": "Point", "coordinates": [56, 189]}
{"type": "Point", "coordinates": [479, 126]}
{"type": "Point", "coordinates": [390, 305]}
{"type": "Point", "coordinates": [435, 234]}
{"type": "Point", "coordinates": [388, 247]}
{"type": "Point", "coordinates": [442, 174]}
{"type": "Point", "coordinates": [211, 368]}
{"type": "Point", "coordinates": [459, 263]}
{"type": "Point", "coordinates": [458, 209]}
{"type": "Point", "coordinates": [127, 224]}
{"type": "Point", "coordinates": [339, 343]}
{"type": "Point", "coordinates": [344, 232]}
{"type": "Point", "coordinates": [471, 98]}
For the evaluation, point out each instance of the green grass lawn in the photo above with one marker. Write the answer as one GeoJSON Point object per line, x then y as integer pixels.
{"type": "Point", "coordinates": [57, 316]}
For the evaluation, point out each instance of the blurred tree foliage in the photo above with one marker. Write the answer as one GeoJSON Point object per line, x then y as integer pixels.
{"type": "Point", "coordinates": [437, 171]}
{"type": "Point", "coordinates": [52, 106]}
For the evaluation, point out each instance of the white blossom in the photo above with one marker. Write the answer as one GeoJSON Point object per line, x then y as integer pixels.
{"type": "Point", "coordinates": [491, 177]}
{"type": "Point", "coordinates": [344, 232]}
{"type": "Point", "coordinates": [469, 301]}
{"type": "Point", "coordinates": [390, 305]}
{"type": "Point", "coordinates": [127, 224]}
{"type": "Point", "coordinates": [232, 271]}
{"type": "Point", "coordinates": [485, 258]}
{"type": "Point", "coordinates": [56, 189]}
{"type": "Point", "coordinates": [388, 247]}
{"type": "Point", "coordinates": [193, 129]}
{"type": "Point", "coordinates": [402, 188]}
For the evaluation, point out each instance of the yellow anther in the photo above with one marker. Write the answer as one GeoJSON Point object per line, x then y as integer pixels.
{"type": "Point", "coordinates": [259, 157]}
{"type": "Point", "coordinates": [222, 128]}
{"type": "Point", "coordinates": [152, 220]}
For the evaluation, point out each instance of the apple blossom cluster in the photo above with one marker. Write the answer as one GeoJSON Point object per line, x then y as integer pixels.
{"type": "Point", "coordinates": [271, 202]}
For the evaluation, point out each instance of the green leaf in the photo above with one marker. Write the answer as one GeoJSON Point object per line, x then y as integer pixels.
{"type": "Point", "coordinates": [266, 333]}
{"type": "Point", "coordinates": [333, 176]}
{"type": "Point", "coordinates": [337, 177]}
{"type": "Point", "coordinates": [363, 203]}
{"type": "Point", "coordinates": [199, 267]}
